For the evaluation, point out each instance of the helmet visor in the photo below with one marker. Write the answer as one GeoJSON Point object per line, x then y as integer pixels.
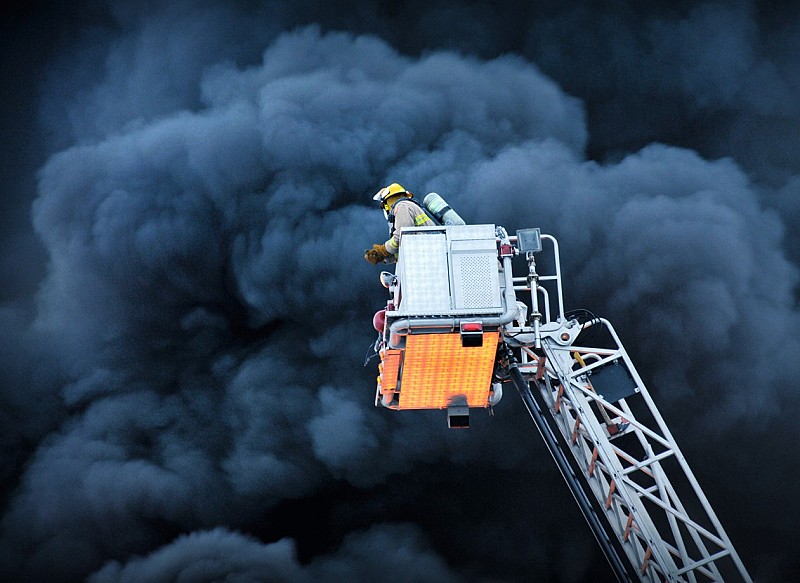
{"type": "Point", "coordinates": [381, 194]}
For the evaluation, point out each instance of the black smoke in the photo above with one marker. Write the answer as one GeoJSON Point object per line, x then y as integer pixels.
{"type": "Point", "coordinates": [182, 383]}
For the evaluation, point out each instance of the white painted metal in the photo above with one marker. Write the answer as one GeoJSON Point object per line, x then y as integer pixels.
{"type": "Point", "coordinates": [448, 271]}
{"type": "Point", "coordinates": [628, 467]}
{"type": "Point", "coordinates": [424, 291]}
{"type": "Point", "coordinates": [635, 471]}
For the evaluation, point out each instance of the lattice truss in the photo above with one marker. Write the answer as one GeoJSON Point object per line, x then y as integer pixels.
{"type": "Point", "coordinates": [632, 465]}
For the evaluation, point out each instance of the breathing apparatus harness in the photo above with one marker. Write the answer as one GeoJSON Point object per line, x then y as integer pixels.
{"type": "Point", "coordinates": [425, 212]}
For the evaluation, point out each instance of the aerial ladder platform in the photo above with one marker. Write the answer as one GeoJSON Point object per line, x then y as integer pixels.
{"type": "Point", "coordinates": [460, 325]}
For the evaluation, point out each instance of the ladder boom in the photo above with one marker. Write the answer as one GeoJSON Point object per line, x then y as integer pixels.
{"type": "Point", "coordinates": [610, 549]}
{"type": "Point", "coordinates": [630, 461]}
{"type": "Point", "coordinates": [457, 326]}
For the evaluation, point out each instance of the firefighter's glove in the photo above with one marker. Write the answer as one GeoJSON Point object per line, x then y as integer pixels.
{"type": "Point", "coordinates": [377, 254]}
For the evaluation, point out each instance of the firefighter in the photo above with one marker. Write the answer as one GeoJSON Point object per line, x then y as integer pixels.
{"type": "Point", "coordinates": [400, 211]}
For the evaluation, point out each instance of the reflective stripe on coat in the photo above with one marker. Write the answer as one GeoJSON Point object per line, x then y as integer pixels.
{"type": "Point", "coordinates": [406, 213]}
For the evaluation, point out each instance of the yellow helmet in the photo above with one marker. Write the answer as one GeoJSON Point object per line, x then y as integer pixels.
{"type": "Point", "coordinates": [389, 191]}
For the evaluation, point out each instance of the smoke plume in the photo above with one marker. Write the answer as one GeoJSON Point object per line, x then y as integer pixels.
{"type": "Point", "coordinates": [186, 381]}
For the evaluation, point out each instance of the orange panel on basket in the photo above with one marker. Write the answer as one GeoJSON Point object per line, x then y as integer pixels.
{"type": "Point", "coordinates": [436, 368]}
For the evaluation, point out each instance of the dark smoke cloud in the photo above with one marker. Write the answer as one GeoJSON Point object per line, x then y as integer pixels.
{"type": "Point", "coordinates": [386, 553]}
{"type": "Point", "coordinates": [190, 258]}
{"type": "Point", "coordinates": [190, 383]}
{"type": "Point", "coordinates": [717, 77]}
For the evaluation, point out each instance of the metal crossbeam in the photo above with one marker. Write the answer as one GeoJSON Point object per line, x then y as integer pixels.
{"type": "Point", "coordinates": [591, 407]}
{"type": "Point", "coordinates": [625, 459]}
{"type": "Point", "coordinates": [624, 468]}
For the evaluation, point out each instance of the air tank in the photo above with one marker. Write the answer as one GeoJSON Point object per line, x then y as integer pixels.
{"type": "Point", "coordinates": [439, 208]}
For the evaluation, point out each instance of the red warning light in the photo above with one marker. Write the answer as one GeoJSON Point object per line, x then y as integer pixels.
{"type": "Point", "coordinates": [471, 327]}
